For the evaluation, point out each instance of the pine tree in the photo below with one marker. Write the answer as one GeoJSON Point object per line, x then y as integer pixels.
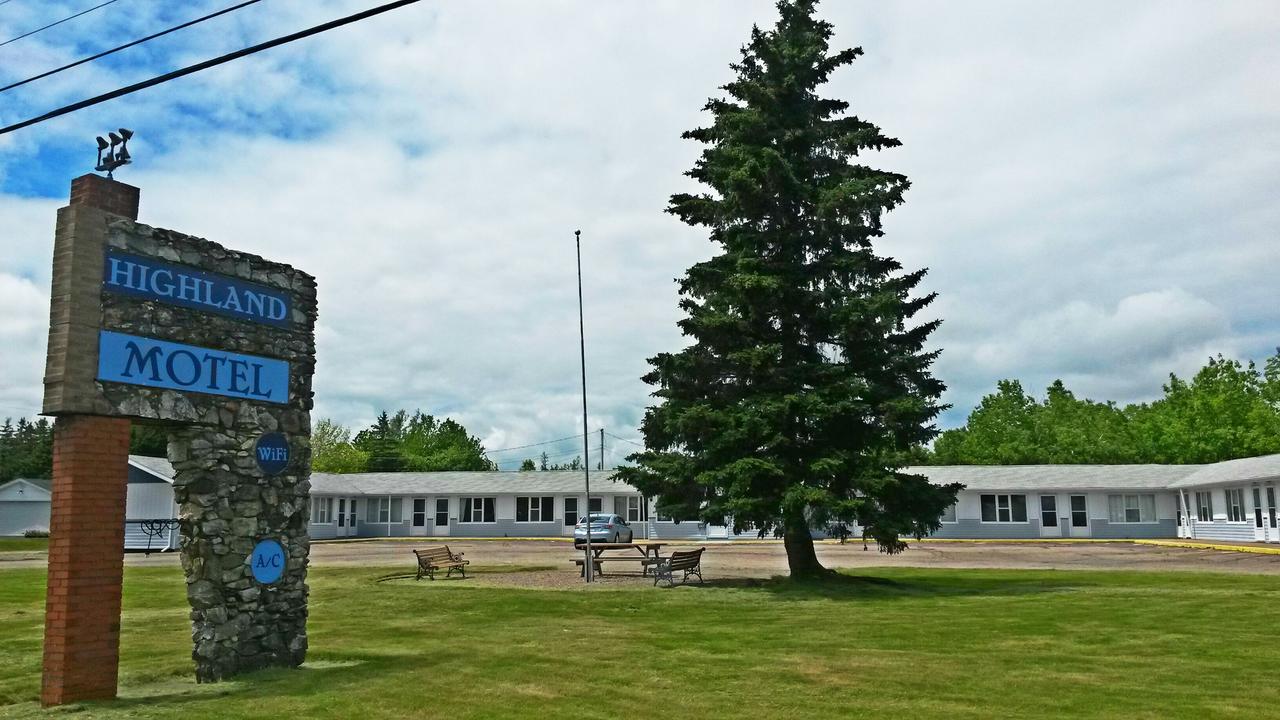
{"type": "Point", "coordinates": [806, 382]}
{"type": "Point", "coordinates": [381, 441]}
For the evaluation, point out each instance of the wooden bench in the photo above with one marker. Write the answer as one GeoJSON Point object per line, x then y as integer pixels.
{"type": "Point", "coordinates": [440, 558]}
{"type": "Point", "coordinates": [687, 561]}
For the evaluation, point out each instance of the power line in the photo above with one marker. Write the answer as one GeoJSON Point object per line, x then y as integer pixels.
{"type": "Point", "coordinates": [126, 46]}
{"type": "Point", "coordinates": [207, 64]}
{"type": "Point", "coordinates": [545, 442]}
{"type": "Point", "coordinates": [46, 27]}
{"type": "Point", "coordinates": [615, 437]}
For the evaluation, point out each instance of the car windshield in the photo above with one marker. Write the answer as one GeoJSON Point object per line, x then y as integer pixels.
{"type": "Point", "coordinates": [597, 519]}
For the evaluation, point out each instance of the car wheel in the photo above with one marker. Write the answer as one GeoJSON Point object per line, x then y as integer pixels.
{"type": "Point", "coordinates": [615, 537]}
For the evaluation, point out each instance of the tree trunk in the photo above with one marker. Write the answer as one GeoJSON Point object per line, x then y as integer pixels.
{"type": "Point", "coordinates": [801, 557]}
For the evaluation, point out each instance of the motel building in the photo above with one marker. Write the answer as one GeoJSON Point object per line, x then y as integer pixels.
{"type": "Point", "coordinates": [1230, 501]}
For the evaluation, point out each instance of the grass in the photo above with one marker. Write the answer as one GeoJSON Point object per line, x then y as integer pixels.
{"type": "Point", "coordinates": [889, 643]}
{"type": "Point", "coordinates": [22, 544]}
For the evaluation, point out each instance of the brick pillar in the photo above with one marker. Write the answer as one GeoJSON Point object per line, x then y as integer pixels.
{"type": "Point", "coordinates": [86, 526]}
{"type": "Point", "coordinates": [86, 559]}
{"type": "Point", "coordinates": [99, 192]}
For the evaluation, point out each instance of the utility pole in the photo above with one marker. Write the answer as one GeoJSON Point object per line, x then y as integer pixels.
{"type": "Point", "coordinates": [601, 449]}
{"type": "Point", "coordinates": [588, 569]}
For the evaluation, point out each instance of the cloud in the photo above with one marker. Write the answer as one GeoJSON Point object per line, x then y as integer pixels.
{"type": "Point", "coordinates": [1092, 196]}
{"type": "Point", "coordinates": [1120, 353]}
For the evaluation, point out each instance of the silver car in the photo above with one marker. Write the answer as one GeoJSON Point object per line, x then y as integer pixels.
{"type": "Point", "coordinates": [605, 528]}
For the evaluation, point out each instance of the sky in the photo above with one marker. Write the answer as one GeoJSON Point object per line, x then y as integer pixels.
{"type": "Point", "coordinates": [1095, 186]}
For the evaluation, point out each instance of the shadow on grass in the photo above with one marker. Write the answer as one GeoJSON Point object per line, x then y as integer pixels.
{"type": "Point", "coordinates": [313, 679]}
{"type": "Point", "coordinates": [843, 586]}
{"type": "Point", "coordinates": [471, 571]}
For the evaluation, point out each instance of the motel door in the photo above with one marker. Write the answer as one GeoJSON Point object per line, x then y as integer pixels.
{"type": "Point", "coordinates": [1050, 524]}
{"type": "Point", "coordinates": [340, 519]}
{"type": "Point", "coordinates": [1273, 534]}
{"type": "Point", "coordinates": [1259, 518]}
{"type": "Point", "coordinates": [1079, 507]}
{"type": "Point", "coordinates": [420, 519]}
{"type": "Point", "coordinates": [346, 519]}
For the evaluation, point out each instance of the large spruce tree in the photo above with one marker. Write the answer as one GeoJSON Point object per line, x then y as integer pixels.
{"type": "Point", "coordinates": [807, 381]}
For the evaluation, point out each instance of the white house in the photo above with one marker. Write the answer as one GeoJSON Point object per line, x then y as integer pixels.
{"type": "Point", "coordinates": [150, 512]}
{"type": "Point", "coordinates": [465, 504]}
{"type": "Point", "coordinates": [1234, 500]}
{"type": "Point", "coordinates": [1060, 501]}
{"type": "Point", "coordinates": [24, 505]}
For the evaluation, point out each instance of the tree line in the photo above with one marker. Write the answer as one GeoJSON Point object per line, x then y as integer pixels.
{"type": "Point", "coordinates": [399, 442]}
{"type": "Point", "coordinates": [393, 443]}
{"type": "Point", "coordinates": [1227, 410]}
{"type": "Point", "coordinates": [26, 447]}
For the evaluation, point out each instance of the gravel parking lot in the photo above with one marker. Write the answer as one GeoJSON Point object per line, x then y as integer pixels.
{"type": "Point", "coordinates": [553, 560]}
{"type": "Point", "coordinates": [766, 559]}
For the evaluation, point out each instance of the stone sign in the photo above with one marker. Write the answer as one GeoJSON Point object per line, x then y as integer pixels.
{"type": "Point", "coordinates": [218, 347]}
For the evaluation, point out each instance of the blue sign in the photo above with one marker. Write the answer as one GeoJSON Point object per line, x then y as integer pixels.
{"type": "Point", "coordinates": [156, 363]}
{"type": "Point", "coordinates": [267, 561]}
{"type": "Point", "coordinates": [164, 282]}
{"type": "Point", "coordinates": [272, 453]}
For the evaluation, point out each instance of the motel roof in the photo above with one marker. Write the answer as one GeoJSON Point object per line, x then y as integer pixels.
{"type": "Point", "coordinates": [548, 482]}
{"type": "Point", "coordinates": [973, 477]}
{"type": "Point", "coordinates": [1263, 467]}
{"type": "Point", "coordinates": [159, 467]}
{"type": "Point", "coordinates": [44, 484]}
{"type": "Point", "coordinates": [1056, 477]}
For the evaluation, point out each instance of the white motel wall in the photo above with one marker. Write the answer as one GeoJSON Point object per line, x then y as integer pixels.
{"type": "Point", "coordinates": [1234, 501]}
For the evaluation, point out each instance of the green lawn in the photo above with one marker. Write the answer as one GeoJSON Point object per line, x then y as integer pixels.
{"type": "Point", "coordinates": [892, 643]}
{"type": "Point", "coordinates": [21, 544]}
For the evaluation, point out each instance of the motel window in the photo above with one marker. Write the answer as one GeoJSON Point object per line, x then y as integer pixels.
{"type": "Point", "coordinates": [571, 511]}
{"type": "Point", "coordinates": [535, 509]}
{"type": "Point", "coordinates": [442, 512]}
{"type": "Point", "coordinates": [596, 505]}
{"type": "Point", "coordinates": [475, 510]}
{"type": "Point", "coordinates": [1138, 508]}
{"type": "Point", "coordinates": [1049, 510]}
{"type": "Point", "coordinates": [321, 510]}
{"type": "Point", "coordinates": [419, 512]}
{"type": "Point", "coordinates": [384, 510]}
{"type": "Point", "coordinates": [1204, 507]}
{"type": "Point", "coordinates": [1235, 505]}
{"type": "Point", "coordinates": [1257, 507]}
{"type": "Point", "coordinates": [949, 515]}
{"type": "Point", "coordinates": [1004, 508]}
{"type": "Point", "coordinates": [635, 509]}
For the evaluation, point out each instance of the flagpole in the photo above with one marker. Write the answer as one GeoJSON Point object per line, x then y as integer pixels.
{"type": "Point", "coordinates": [588, 568]}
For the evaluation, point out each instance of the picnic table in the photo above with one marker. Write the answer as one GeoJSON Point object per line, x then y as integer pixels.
{"type": "Point", "coordinates": [647, 554]}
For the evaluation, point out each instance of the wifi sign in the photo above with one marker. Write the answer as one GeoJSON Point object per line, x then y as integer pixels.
{"type": "Point", "coordinates": [272, 453]}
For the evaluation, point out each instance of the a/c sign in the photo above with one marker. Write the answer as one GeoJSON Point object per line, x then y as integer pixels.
{"type": "Point", "coordinates": [267, 561]}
